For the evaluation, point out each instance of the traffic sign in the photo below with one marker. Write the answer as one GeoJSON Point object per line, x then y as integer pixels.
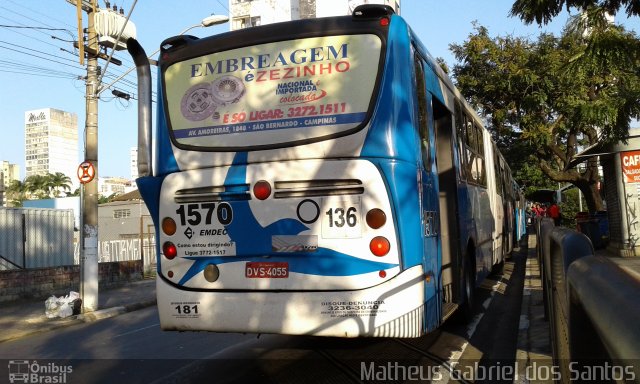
{"type": "Point", "coordinates": [86, 172]}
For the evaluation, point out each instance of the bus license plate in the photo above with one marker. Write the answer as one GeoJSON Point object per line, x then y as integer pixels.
{"type": "Point", "coordinates": [266, 270]}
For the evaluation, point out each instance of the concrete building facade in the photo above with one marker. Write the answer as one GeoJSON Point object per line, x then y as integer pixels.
{"type": "Point", "coordinates": [51, 143]}
{"type": "Point", "coordinates": [252, 13]}
{"type": "Point", "coordinates": [133, 162]}
{"type": "Point", "coordinates": [8, 173]}
{"type": "Point", "coordinates": [621, 170]}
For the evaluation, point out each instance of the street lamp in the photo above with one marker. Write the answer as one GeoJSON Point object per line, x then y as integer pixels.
{"type": "Point", "coordinates": [206, 22]}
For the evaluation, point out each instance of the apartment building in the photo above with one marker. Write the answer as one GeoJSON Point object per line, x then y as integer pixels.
{"type": "Point", "coordinates": [51, 142]}
{"type": "Point", "coordinates": [251, 13]}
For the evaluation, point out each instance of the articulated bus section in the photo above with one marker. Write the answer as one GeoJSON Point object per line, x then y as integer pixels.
{"type": "Point", "coordinates": [367, 200]}
{"type": "Point", "coordinates": [296, 247]}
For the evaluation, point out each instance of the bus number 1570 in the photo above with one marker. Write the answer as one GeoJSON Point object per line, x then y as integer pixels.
{"type": "Point", "coordinates": [194, 213]}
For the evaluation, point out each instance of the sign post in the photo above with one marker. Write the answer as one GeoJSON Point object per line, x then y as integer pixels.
{"type": "Point", "coordinates": [88, 244]}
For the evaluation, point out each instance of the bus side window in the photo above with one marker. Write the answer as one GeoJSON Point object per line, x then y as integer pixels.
{"type": "Point", "coordinates": [460, 133]}
{"type": "Point", "coordinates": [482, 169]}
{"type": "Point", "coordinates": [498, 170]}
{"type": "Point", "coordinates": [423, 128]}
{"type": "Point", "coordinates": [472, 174]}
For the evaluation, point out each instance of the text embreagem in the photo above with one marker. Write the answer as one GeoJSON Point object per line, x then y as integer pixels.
{"type": "Point", "coordinates": [268, 60]}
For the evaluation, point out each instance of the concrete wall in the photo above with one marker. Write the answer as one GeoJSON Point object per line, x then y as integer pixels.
{"type": "Point", "coordinates": [40, 283]}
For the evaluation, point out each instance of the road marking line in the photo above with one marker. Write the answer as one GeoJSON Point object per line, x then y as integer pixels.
{"type": "Point", "coordinates": [137, 330]}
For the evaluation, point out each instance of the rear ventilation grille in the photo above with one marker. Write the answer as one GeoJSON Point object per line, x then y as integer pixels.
{"type": "Point", "coordinates": [213, 193]}
{"type": "Point", "coordinates": [315, 188]}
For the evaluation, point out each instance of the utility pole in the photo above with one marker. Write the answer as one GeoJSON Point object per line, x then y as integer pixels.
{"type": "Point", "coordinates": [89, 186]}
{"type": "Point", "coordinates": [88, 170]}
{"type": "Point", "coordinates": [90, 211]}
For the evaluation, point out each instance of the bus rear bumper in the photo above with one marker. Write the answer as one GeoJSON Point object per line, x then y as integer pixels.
{"type": "Point", "coordinates": [394, 308]}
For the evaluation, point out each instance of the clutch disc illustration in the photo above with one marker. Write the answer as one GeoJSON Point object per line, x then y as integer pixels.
{"type": "Point", "coordinates": [198, 103]}
{"type": "Point", "coordinates": [227, 89]}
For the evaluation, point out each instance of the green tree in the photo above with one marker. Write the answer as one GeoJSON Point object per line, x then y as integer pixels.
{"type": "Point", "coordinates": [107, 199]}
{"type": "Point", "coordinates": [16, 193]}
{"type": "Point", "coordinates": [543, 11]}
{"type": "Point", "coordinates": [44, 186]}
{"type": "Point", "coordinates": [546, 98]}
{"type": "Point", "coordinates": [37, 186]}
{"type": "Point", "coordinates": [59, 181]}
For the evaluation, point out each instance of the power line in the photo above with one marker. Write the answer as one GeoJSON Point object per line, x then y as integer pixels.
{"type": "Point", "coordinates": [32, 37]}
{"type": "Point", "coordinates": [223, 6]}
{"type": "Point", "coordinates": [28, 27]}
{"type": "Point", "coordinates": [32, 55]}
{"type": "Point", "coordinates": [47, 16]}
{"type": "Point", "coordinates": [35, 50]}
{"type": "Point", "coordinates": [49, 75]}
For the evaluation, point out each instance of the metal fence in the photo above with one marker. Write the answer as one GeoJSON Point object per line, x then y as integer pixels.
{"type": "Point", "coordinates": [35, 238]}
{"type": "Point", "coordinates": [38, 238]}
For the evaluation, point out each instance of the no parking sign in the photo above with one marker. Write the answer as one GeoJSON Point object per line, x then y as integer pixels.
{"type": "Point", "coordinates": [86, 172]}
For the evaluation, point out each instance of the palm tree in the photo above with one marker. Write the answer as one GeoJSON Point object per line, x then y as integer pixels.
{"type": "Point", "coordinates": [59, 181]}
{"type": "Point", "coordinates": [37, 186]}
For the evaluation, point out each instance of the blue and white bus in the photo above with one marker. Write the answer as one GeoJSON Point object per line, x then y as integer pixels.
{"type": "Point", "coordinates": [316, 177]}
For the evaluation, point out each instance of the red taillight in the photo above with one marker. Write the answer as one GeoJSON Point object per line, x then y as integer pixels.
{"type": "Point", "coordinates": [169, 249]}
{"type": "Point", "coordinates": [382, 274]}
{"type": "Point", "coordinates": [384, 21]}
{"type": "Point", "coordinates": [262, 190]}
{"type": "Point", "coordinates": [379, 246]}
{"type": "Point", "coordinates": [376, 218]}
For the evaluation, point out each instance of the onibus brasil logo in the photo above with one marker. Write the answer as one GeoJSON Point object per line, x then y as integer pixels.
{"type": "Point", "coordinates": [25, 371]}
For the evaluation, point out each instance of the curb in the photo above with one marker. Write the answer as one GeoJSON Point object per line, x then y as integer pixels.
{"type": "Point", "coordinates": [101, 314]}
{"type": "Point", "coordinates": [114, 311]}
{"type": "Point", "coordinates": [533, 347]}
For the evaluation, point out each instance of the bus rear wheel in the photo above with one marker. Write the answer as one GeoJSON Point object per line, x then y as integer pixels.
{"type": "Point", "coordinates": [466, 309]}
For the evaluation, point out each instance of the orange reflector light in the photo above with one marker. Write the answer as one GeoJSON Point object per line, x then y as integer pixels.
{"type": "Point", "coordinates": [168, 226]}
{"type": "Point", "coordinates": [169, 249]}
{"type": "Point", "coordinates": [262, 190]}
{"type": "Point", "coordinates": [379, 246]}
{"type": "Point", "coordinates": [382, 274]}
{"type": "Point", "coordinates": [376, 218]}
{"type": "Point", "coordinates": [384, 21]}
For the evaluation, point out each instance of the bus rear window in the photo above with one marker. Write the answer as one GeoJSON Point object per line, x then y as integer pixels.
{"type": "Point", "coordinates": [274, 94]}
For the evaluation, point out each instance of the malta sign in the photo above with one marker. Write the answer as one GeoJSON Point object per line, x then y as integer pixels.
{"type": "Point", "coordinates": [631, 166]}
{"type": "Point", "coordinates": [86, 172]}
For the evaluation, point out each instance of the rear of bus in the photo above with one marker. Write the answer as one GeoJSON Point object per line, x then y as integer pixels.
{"type": "Point", "coordinates": [270, 219]}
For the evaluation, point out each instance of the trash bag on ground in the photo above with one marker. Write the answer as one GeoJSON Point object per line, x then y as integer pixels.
{"type": "Point", "coordinates": [62, 306]}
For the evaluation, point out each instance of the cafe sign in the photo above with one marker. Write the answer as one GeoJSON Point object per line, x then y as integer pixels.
{"type": "Point", "coordinates": [631, 166]}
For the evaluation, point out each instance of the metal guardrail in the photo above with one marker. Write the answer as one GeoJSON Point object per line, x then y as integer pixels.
{"type": "Point", "coordinates": [593, 305]}
{"type": "Point", "coordinates": [604, 313]}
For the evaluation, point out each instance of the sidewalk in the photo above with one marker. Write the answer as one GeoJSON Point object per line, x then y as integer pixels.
{"type": "Point", "coordinates": [534, 348]}
{"type": "Point", "coordinates": [22, 318]}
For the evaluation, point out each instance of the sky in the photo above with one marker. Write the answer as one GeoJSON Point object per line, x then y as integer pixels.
{"type": "Point", "coordinates": [41, 71]}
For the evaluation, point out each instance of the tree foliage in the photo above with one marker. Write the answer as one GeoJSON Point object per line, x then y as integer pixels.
{"type": "Point", "coordinates": [38, 187]}
{"type": "Point", "coordinates": [543, 11]}
{"type": "Point", "coordinates": [546, 97]}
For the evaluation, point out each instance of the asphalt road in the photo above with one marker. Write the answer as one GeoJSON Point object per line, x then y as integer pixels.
{"type": "Point", "coordinates": [131, 348]}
